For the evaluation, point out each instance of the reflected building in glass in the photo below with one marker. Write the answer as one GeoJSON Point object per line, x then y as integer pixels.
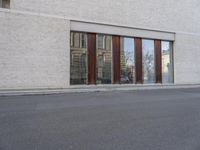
{"type": "Point", "coordinates": [127, 63]}
{"type": "Point", "coordinates": [114, 60]}
{"type": "Point", "coordinates": [104, 59]}
{"type": "Point", "coordinates": [167, 62]}
{"type": "Point", "coordinates": [78, 58]}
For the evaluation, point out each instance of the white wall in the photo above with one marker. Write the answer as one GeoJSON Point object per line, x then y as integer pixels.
{"type": "Point", "coordinates": [187, 61]}
{"type": "Point", "coordinates": [34, 52]}
{"type": "Point", "coordinates": [173, 15]}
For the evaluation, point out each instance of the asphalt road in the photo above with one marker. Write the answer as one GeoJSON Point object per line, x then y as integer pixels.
{"type": "Point", "coordinates": [126, 120]}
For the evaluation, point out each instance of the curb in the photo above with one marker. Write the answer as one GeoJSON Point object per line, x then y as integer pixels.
{"type": "Point", "coordinates": [93, 88]}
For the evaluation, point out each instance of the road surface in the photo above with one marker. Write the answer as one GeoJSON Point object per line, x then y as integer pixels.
{"type": "Point", "coordinates": [121, 120]}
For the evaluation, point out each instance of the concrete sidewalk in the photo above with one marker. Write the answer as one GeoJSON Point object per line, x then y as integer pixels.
{"type": "Point", "coordinates": [93, 88]}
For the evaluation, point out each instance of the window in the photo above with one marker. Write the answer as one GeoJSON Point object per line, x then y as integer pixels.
{"type": "Point", "coordinates": [148, 58]}
{"type": "Point", "coordinates": [104, 59]}
{"type": "Point", "coordinates": [78, 40]}
{"type": "Point", "coordinates": [83, 40]}
{"type": "Point", "coordinates": [101, 41]}
{"type": "Point", "coordinates": [127, 62]}
{"type": "Point", "coordinates": [78, 62]}
{"type": "Point", "coordinates": [167, 62]}
{"type": "Point", "coordinates": [5, 3]}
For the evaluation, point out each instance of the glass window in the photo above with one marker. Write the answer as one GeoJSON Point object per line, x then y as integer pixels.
{"type": "Point", "coordinates": [167, 62]}
{"type": "Point", "coordinates": [104, 59]}
{"type": "Point", "coordinates": [127, 61]}
{"type": "Point", "coordinates": [148, 58]}
{"type": "Point", "coordinates": [76, 40]}
{"type": "Point", "coordinates": [5, 3]}
{"type": "Point", "coordinates": [83, 40]}
{"type": "Point", "coordinates": [101, 41]}
{"type": "Point", "coordinates": [78, 62]}
{"type": "Point", "coordinates": [71, 39]}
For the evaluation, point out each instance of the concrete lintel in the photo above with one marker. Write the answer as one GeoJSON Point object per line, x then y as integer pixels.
{"type": "Point", "coordinates": [121, 30]}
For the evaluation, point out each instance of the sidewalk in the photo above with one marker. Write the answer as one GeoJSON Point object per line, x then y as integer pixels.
{"type": "Point", "coordinates": [93, 88]}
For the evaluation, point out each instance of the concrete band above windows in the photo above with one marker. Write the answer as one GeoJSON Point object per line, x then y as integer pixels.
{"type": "Point", "coordinates": [121, 30]}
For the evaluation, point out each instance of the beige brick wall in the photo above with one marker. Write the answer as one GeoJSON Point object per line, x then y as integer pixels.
{"type": "Point", "coordinates": [34, 52]}
{"type": "Point", "coordinates": [172, 15]}
{"type": "Point", "coordinates": [34, 48]}
{"type": "Point", "coordinates": [186, 59]}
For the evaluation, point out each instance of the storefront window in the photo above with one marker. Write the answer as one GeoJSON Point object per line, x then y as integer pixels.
{"type": "Point", "coordinates": [104, 59]}
{"type": "Point", "coordinates": [119, 60]}
{"type": "Point", "coordinates": [127, 64]}
{"type": "Point", "coordinates": [148, 58]}
{"type": "Point", "coordinates": [78, 62]}
{"type": "Point", "coordinates": [167, 62]}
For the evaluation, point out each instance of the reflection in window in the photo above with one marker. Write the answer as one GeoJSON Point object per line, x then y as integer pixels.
{"type": "Point", "coordinates": [78, 62]}
{"type": "Point", "coordinates": [83, 40]}
{"type": "Point", "coordinates": [101, 41]}
{"type": "Point", "coordinates": [79, 40]}
{"type": "Point", "coordinates": [167, 64]}
{"type": "Point", "coordinates": [127, 60]}
{"type": "Point", "coordinates": [148, 58]}
{"type": "Point", "coordinates": [104, 59]}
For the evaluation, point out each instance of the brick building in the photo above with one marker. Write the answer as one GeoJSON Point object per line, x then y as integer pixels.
{"type": "Point", "coordinates": [59, 44]}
